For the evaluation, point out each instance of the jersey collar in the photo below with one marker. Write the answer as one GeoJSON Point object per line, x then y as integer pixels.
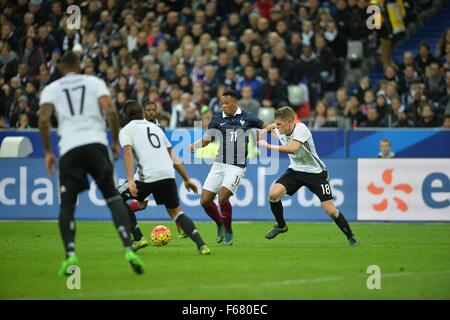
{"type": "Point", "coordinates": [238, 111]}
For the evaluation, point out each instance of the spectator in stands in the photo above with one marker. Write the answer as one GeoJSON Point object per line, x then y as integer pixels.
{"type": "Point", "coordinates": [295, 45]}
{"type": "Point", "coordinates": [283, 62]}
{"type": "Point", "coordinates": [369, 101]}
{"type": "Point", "coordinates": [410, 76]}
{"type": "Point", "coordinates": [435, 83]}
{"type": "Point", "coordinates": [189, 119]}
{"type": "Point", "coordinates": [22, 107]}
{"type": "Point", "coordinates": [354, 114]}
{"type": "Point", "coordinates": [390, 74]}
{"type": "Point", "coordinates": [327, 61]}
{"type": "Point", "coordinates": [341, 100]}
{"type": "Point", "coordinates": [428, 118]}
{"type": "Point", "coordinates": [273, 92]}
{"type": "Point", "coordinates": [247, 103]}
{"type": "Point", "coordinates": [408, 60]}
{"type": "Point", "coordinates": [402, 121]}
{"type": "Point", "coordinates": [446, 124]}
{"type": "Point", "coordinates": [179, 112]}
{"type": "Point", "coordinates": [373, 120]}
{"type": "Point", "coordinates": [250, 79]}
{"type": "Point", "coordinates": [307, 71]}
{"type": "Point", "coordinates": [386, 149]}
{"type": "Point", "coordinates": [442, 45]}
{"type": "Point", "coordinates": [424, 58]}
{"type": "Point", "coordinates": [320, 115]}
{"type": "Point", "coordinates": [307, 33]}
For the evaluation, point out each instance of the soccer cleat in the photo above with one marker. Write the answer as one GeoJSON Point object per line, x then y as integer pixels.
{"type": "Point", "coordinates": [228, 238]}
{"type": "Point", "coordinates": [70, 261]}
{"type": "Point", "coordinates": [353, 242]}
{"type": "Point", "coordinates": [135, 262]}
{"type": "Point", "coordinates": [136, 245]}
{"type": "Point", "coordinates": [220, 233]}
{"type": "Point", "coordinates": [204, 250]}
{"type": "Point", "coordinates": [181, 233]}
{"type": "Point", "coordinates": [276, 231]}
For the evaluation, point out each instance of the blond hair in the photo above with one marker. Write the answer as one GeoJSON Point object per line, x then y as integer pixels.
{"type": "Point", "coordinates": [285, 113]}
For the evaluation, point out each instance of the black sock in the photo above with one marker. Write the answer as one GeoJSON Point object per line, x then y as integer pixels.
{"type": "Point", "coordinates": [343, 225]}
{"type": "Point", "coordinates": [121, 220]}
{"type": "Point", "coordinates": [67, 228]}
{"type": "Point", "coordinates": [277, 210]}
{"type": "Point", "coordinates": [189, 228]}
{"type": "Point", "coordinates": [135, 230]}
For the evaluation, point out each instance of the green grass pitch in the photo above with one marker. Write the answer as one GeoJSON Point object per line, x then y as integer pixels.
{"type": "Point", "coordinates": [311, 261]}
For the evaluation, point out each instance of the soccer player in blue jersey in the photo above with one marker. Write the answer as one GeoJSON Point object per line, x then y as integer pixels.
{"type": "Point", "coordinates": [231, 128]}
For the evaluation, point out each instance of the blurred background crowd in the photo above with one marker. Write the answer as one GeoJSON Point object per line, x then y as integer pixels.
{"type": "Point", "coordinates": [184, 54]}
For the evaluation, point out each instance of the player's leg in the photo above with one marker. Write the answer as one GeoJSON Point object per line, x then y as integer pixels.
{"type": "Point", "coordinates": [69, 193]}
{"type": "Point", "coordinates": [277, 191]}
{"type": "Point", "coordinates": [165, 192]}
{"type": "Point", "coordinates": [320, 186]}
{"type": "Point", "coordinates": [132, 207]}
{"type": "Point", "coordinates": [226, 213]}
{"type": "Point", "coordinates": [288, 183]}
{"type": "Point", "coordinates": [101, 169]}
{"type": "Point", "coordinates": [72, 181]}
{"type": "Point", "coordinates": [340, 220]}
{"type": "Point", "coordinates": [232, 178]}
{"type": "Point", "coordinates": [179, 217]}
{"type": "Point", "coordinates": [210, 189]}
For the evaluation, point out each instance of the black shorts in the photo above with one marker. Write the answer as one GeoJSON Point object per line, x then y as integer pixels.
{"type": "Point", "coordinates": [164, 192]}
{"type": "Point", "coordinates": [318, 183]}
{"type": "Point", "coordinates": [94, 159]}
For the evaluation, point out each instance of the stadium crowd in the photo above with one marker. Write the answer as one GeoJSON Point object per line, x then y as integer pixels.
{"type": "Point", "coordinates": [184, 54]}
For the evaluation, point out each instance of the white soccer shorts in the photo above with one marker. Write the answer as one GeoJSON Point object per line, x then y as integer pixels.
{"type": "Point", "coordinates": [223, 175]}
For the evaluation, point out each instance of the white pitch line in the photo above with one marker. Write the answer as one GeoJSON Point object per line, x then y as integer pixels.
{"type": "Point", "coordinates": [231, 286]}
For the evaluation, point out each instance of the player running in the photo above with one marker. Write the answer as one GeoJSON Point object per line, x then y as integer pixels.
{"type": "Point", "coordinates": [146, 142]}
{"type": "Point", "coordinates": [81, 102]}
{"type": "Point", "coordinates": [306, 169]}
{"type": "Point", "coordinates": [150, 114]}
{"type": "Point", "coordinates": [231, 128]}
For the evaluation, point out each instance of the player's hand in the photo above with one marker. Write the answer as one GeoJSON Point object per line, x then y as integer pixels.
{"type": "Point", "coordinates": [50, 161]}
{"type": "Point", "coordinates": [263, 143]}
{"type": "Point", "coordinates": [190, 186]}
{"type": "Point", "coordinates": [192, 147]}
{"type": "Point", "coordinates": [132, 187]}
{"type": "Point", "coordinates": [116, 150]}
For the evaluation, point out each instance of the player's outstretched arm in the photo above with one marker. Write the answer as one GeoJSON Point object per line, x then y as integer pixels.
{"type": "Point", "coordinates": [112, 118]}
{"type": "Point", "coordinates": [200, 143]}
{"type": "Point", "coordinates": [290, 148]}
{"type": "Point", "coordinates": [45, 112]}
{"type": "Point", "coordinates": [265, 129]}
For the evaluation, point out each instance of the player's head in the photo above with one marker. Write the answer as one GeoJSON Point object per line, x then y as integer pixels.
{"type": "Point", "coordinates": [285, 119]}
{"type": "Point", "coordinates": [70, 62]}
{"type": "Point", "coordinates": [132, 110]}
{"type": "Point", "coordinates": [229, 102]}
{"type": "Point", "coordinates": [150, 111]}
{"type": "Point", "coordinates": [385, 146]}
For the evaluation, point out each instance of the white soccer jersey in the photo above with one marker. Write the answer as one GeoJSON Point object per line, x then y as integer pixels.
{"type": "Point", "coordinates": [75, 98]}
{"type": "Point", "coordinates": [149, 144]}
{"type": "Point", "coordinates": [306, 158]}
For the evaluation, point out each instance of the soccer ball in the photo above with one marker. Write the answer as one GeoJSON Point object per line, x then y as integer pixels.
{"type": "Point", "coordinates": [161, 236]}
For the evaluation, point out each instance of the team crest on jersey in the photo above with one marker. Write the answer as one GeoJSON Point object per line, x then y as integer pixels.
{"type": "Point", "coordinates": [242, 121]}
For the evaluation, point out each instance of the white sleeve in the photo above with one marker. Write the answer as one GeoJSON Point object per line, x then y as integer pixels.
{"type": "Point", "coordinates": [125, 137]}
{"type": "Point", "coordinates": [301, 133]}
{"type": "Point", "coordinates": [46, 96]}
{"type": "Point", "coordinates": [102, 89]}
